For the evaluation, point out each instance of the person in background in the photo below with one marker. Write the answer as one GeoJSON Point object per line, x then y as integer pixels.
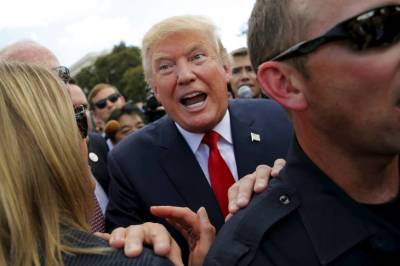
{"type": "Point", "coordinates": [103, 100]}
{"type": "Point", "coordinates": [122, 122]}
{"type": "Point", "coordinates": [244, 79]}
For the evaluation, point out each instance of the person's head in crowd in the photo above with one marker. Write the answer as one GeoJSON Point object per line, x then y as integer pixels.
{"type": "Point", "coordinates": [327, 86]}
{"type": "Point", "coordinates": [104, 99]}
{"type": "Point", "coordinates": [124, 121]}
{"type": "Point", "coordinates": [186, 66]}
{"type": "Point", "coordinates": [243, 73]}
{"type": "Point", "coordinates": [51, 190]}
{"type": "Point", "coordinates": [78, 98]}
{"type": "Point", "coordinates": [30, 52]}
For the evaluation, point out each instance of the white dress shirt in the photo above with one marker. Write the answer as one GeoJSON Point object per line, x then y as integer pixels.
{"type": "Point", "coordinates": [225, 146]}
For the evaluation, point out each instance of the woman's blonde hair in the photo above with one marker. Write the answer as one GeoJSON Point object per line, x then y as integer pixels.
{"type": "Point", "coordinates": [44, 178]}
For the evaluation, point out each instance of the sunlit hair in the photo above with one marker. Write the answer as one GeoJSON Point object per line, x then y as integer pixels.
{"type": "Point", "coordinates": [176, 24]}
{"type": "Point", "coordinates": [275, 25]}
{"type": "Point", "coordinates": [43, 173]}
{"type": "Point", "coordinates": [31, 52]}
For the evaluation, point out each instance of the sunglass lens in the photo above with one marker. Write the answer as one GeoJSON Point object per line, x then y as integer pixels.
{"type": "Point", "coordinates": [101, 104]}
{"type": "Point", "coordinates": [81, 120]}
{"type": "Point", "coordinates": [378, 29]}
{"type": "Point", "coordinates": [113, 97]}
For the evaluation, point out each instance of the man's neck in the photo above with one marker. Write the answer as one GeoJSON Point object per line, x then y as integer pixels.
{"type": "Point", "coordinates": [367, 178]}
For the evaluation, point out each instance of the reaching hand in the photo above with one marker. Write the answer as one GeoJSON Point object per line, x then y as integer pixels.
{"type": "Point", "coordinates": [239, 194]}
{"type": "Point", "coordinates": [132, 239]}
{"type": "Point", "coordinates": [195, 228]}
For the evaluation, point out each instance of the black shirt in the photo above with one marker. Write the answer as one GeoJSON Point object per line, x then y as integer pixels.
{"type": "Point", "coordinates": [304, 218]}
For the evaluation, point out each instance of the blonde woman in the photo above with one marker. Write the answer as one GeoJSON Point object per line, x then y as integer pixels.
{"type": "Point", "coordinates": [45, 191]}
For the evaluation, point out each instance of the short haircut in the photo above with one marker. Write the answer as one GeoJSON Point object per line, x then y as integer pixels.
{"type": "Point", "coordinates": [243, 51]}
{"type": "Point", "coordinates": [176, 24]}
{"type": "Point", "coordinates": [274, 26]}
{"type": "Point", "coordinates": [96, 89]}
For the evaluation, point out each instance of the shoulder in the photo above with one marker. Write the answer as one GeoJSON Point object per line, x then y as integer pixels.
{"type": "Point", "coordinates": [109, 256]}
{"type": "Point", "coordinates": [238, 241]}
{"type": "Point", "coordinates": [251, 104]}
{"type": "Point", "coordinates": [144, 139]}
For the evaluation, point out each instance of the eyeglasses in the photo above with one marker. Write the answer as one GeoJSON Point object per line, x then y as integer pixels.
{"type": "Point", "coordinates": [63, 73]}
{"type": "Point", "coordinates": [103, 102]}
{"type": "Point", "coordinates": [81, 120]}
{"type": "Point", "coordinates": [375, 28]}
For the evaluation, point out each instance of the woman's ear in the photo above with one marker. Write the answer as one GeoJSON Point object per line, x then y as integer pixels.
{"type": "Point", "coordinates": [283, 83]}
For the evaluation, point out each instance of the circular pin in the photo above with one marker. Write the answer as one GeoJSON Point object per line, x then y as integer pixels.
{"type": "Point", "coordinates": [93, 157]}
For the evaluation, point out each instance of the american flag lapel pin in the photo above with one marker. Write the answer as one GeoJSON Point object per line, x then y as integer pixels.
{"type": "Point", "coordinates": [255, 137]}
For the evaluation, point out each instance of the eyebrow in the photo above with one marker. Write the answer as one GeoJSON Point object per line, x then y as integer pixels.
{"type": "Point", "coordinates": [157, 57]}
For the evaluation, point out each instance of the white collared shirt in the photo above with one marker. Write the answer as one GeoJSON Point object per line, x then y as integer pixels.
{"type": "Point", "coordinates": [225, 146]}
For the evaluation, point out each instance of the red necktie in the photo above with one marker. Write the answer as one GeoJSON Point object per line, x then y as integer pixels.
{"type": "Point", "coordinates": [97, 220]}
{"type": "Point", "coordinates": [220, 175]}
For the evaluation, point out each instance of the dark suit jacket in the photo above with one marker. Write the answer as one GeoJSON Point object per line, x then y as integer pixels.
{"type": "Point", "coordinates": [110, 257]}
{"type": "Point", "coordinates": [304, 218]}
{"type": "Point", "coordinates": [155, 166]}
{"type": "Point", "coordinates": [98, 145]}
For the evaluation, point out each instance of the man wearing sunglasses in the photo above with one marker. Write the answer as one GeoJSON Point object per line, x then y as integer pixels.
{"type": "Point", "coordinates": [335, 66]}
{"type": "Point", "coordinates": [104, 99]}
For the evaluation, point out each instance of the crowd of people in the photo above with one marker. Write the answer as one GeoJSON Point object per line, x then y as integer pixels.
{"type": "Point", "coordinates": [97, 181]}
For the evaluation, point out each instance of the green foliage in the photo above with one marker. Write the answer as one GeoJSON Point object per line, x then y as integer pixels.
{"type": "Point", "coordinates": [121, 68]}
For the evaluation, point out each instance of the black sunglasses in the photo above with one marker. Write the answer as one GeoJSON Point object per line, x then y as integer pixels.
{"type": "Point", "coordinates": [377, 27]}
{"type": "Point", "coordinates": [103, 102]}
{"type": "Point", "coordinates": [81, 120]}
{"type": "Point", "coordinates": [63, 73]}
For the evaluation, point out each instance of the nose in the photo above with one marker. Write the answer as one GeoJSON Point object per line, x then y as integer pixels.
{"type": "Point", "coordinates": [185, 73]}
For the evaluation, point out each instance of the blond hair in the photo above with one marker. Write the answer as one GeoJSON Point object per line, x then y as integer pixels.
{"type": "Point", "coordinates": [176, 24]}
{"type": "Point", "coordinates": [43, 173]}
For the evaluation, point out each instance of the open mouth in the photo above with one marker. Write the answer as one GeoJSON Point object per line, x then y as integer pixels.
{"type": "Point", "coordinates": [194, 99]}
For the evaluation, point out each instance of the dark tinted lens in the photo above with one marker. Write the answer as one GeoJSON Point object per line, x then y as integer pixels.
{"type": "Point", "coordinates": [63, 73]}
{"type": "Point", "coordinates": [101, 104]}
{"type": "Point", "coordinates": [113, 97]}
{"type": "Point", "coordinates": [81, 120]}
{"type": "Point", "coordinates": [376, 28]}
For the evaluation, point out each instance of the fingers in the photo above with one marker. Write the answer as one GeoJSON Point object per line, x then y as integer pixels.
{"type": "Point", "coordinates": [104, 236]}
{"type": "Point", "coordinates": [207, 236]}
{"type": "Point", "coordinates": [278, 165]}
{"type": "Point", "coordinates": [262, 175]}
{"type": "Point", "coordinates": [240, 193]}
{"type": "Point", "coordinates": [117, 238]}
{"type": "Point", "coordinates": [182, 219]}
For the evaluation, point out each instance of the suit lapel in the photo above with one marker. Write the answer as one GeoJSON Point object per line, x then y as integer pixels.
{"type": "Point", "coordinates": [186, 174]}
{"type": "Point", "coordinates": [247, 152]}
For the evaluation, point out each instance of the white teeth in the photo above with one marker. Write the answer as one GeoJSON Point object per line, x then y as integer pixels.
{"type": "Point", "coordinates": [193, 94]}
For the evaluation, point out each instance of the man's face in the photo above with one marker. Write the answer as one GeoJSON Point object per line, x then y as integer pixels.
{"type": "Point", "coordinates": [353, 96]}
{"type": "Point", "coordinates": [243, 74]}
{"type": "Point", "coordinates": [104, 113]}
{"type": "Point", "coordinates": [128, 123]}
{"type": "Point", "coordinates": [78, 98]}
{"type": "Point", "coordinates": [189, 80]}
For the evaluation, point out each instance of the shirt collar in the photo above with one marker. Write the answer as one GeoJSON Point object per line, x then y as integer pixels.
{"type": "Point", "coordinates": [223, 128]}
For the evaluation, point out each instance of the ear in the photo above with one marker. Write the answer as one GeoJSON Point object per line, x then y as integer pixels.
{"type": "Point", "coordinates": [283, 83]}
{"type": "Point", "coordinates": [156, 93]}
{"type": "Point", "coordinates": [227, 71]}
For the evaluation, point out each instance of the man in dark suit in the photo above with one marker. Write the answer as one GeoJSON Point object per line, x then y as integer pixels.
{"type": "Point", "coordinates": [168, 162]}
